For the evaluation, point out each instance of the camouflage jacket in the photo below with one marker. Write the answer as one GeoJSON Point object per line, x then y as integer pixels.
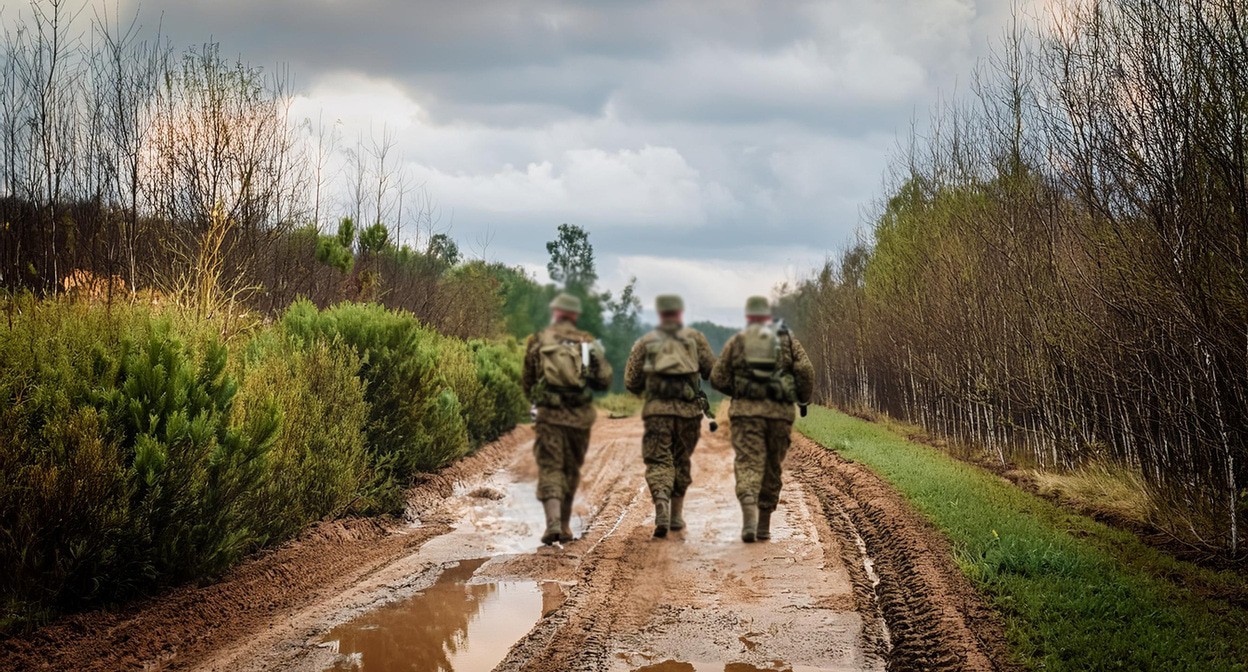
{"type": "Point", "coordinates": [635, 377]}
{"type": "Point", "coordinates": [599, 378]}
{"type": "Point", "coordinates": [732, 364]}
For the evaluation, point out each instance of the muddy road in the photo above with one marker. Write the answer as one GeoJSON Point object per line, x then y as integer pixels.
{"type": "Point", "coordinates": [851, 580]}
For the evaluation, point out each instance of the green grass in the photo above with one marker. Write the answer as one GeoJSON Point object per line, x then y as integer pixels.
{"type": "Point", "coordinates": [619, 404]}
{"type": "Point", "coordinates": [1075, 594]}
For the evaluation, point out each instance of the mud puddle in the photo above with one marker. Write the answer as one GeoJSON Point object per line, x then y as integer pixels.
{"type": "Point", "coordinates": [681, 666]}
{"type": "Point", "coordinates": [475, 609]}
{"type": "Point", "coordinates": [456, 625]}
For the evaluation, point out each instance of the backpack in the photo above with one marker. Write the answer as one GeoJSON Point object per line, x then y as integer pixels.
{"type": "Point", "coordinates": [671, 354]}
{"type": "Point", "coordinates": [564, 362]}
{"type": "Point", "coordinates": [765, 376]}
{"type": "Point", "coordinates": [762, 350]}
{"type": "Point", "coordinates": [671, 365]}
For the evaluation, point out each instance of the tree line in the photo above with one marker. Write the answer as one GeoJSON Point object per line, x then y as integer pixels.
{"type": "Point", "coordinates": [1059, 274]}
{"type": "Point", "coordinates": [131, 169]}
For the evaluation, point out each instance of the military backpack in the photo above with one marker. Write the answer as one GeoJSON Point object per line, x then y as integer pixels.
{"type": "Point", "coordinates": [565, 371]}
{"type": "Point", "coordinates": [765, 375]}
{"type": "Point", "coordinates": [671, 364]}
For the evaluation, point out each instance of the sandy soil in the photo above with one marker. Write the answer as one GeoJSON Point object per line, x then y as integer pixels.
{"type": "Point", "coordinates": [853, 579]}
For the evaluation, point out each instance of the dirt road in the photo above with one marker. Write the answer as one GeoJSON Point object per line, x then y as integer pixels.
{"type": "Point", "coordinates": [852, 580]}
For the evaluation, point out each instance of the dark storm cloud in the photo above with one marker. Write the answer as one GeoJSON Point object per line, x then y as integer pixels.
{"type": "Point", "coordinates": [721, 61]}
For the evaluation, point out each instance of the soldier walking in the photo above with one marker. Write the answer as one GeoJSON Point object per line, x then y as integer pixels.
{"type": "Point", "coordinates": [666, 367]}
{"type": "Point", "coordinates": [562, 367]}
{"type": "Point", "coordinates": [765, 371]}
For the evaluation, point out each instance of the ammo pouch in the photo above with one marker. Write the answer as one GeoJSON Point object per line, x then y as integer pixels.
{"type": "Point", "coordinates": [677, 388]}
{"type": "Point", "coordinates": [779, 387]}
{"type": "Point", "coordinates": [547, 396]}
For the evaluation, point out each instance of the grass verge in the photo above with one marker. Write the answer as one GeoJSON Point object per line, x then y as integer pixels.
{"type": "Point", "coordinates": [1075, 594]}
{"type": "Point", "coordinates": [619, 404]}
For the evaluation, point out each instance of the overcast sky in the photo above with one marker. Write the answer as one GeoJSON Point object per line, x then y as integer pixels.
{"type": "Point", "coordinates": [711, 148]}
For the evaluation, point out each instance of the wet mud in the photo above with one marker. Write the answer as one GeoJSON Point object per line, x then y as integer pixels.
{"type": "Point", "coordinates": [851, 580]}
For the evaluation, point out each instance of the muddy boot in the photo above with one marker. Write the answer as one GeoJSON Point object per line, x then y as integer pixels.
{"type": "Point", "coordinates": [678, 519]}
{"type": "Point", "coordinates": [553, 513]}
{"type": "Point", "coordinates": [749, 524]}
{"type": "Point", "coordinates": [565, 522]}
{"type": "Point", "coordinates": [662, 517]}
{"type": "Point", "coordinates": [764, 524]}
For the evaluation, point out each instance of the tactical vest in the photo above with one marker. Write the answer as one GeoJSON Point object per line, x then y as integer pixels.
{"type": "Point", "coordinates": [671, 365]}
{"type": "Point", "coordinates": [766, 373]}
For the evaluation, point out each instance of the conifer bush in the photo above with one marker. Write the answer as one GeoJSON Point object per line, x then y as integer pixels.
{"type": "Point", "coordinates": [317, 466]}
{"type": "Point", "coordinates": [429, 395]}
{"type": "Point", "coordinates": [138, 448]}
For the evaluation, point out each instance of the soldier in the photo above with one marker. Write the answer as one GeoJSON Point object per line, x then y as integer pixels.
{"type": "Point", "coordinates": [562, 367]}
{"type": "Point", "coordinates": [666, 366]}
{"type": "Point", "coordinates": [765, 371]}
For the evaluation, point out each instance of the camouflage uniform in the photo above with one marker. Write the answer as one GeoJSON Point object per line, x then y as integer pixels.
{"type": "Point", "coordinates": [672, 425]}
{"type": "Point", "coordinates": [562, 432]}
{"type": "Point", "coordinates": [761, 427]}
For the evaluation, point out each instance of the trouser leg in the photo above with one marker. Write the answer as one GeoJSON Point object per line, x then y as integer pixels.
{"type": "Point", "coordinates": [749, 446]}
{"type": "Point", "coordinates": [656, 452]}
{"type": "Point", "coordinates": [778, 436]}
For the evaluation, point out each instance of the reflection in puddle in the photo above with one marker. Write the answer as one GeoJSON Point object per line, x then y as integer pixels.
{"type": "Point", "coordinates": [453, 626]}
{"type": "Point", "coordinates": [681, 666]}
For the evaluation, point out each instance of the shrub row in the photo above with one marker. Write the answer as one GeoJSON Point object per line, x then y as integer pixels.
{"type": "Point", "coordinates": [140, 448]}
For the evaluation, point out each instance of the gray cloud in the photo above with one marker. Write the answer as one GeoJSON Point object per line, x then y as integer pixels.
{"type": "Point", "coordinates": [710, 133]}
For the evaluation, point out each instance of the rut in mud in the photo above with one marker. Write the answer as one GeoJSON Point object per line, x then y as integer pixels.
{"type": "Point", "coordinates": [852, 580]}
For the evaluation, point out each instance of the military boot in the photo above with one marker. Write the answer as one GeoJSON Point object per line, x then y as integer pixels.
{"type": "Point", "coordinates": [553, 513]}
{"type": "Point", "coordinates": [678, 508]}
{"type": "Point", "coordinates": [749, 522]}
{"type": "Point", "coordinates": [764, 524]}
{"type": "Point", "coordinates": [565, 521]}
{"type": "Point", "coordinates": [662, 517]}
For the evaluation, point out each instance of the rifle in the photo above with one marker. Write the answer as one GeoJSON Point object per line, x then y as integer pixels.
{"type": "Point", "coordinates": [782, 329]}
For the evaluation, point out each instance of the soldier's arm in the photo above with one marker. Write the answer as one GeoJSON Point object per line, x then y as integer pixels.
{"type": "Point", "coordinates": [600, 373]}
{"type": "Point", "coordinates": [803, 373]}
{"type": "Point", "coordinates": [721, 372]}
{"type": "Point", "coordinates": [634, 370]}
{"type": "Point", "coordinates": [706, 356]}
{"type": "Point", "coordinates": [532, 362]}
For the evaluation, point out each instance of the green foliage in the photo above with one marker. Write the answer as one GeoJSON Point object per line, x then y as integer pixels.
{"type": "Point", "coordinates": [423, 390]}
{"type": "Point", "coordinates": [502, 402]}
{"type": "Point", "coordinates": [192, 467]}
{"type": "Point", "coordinates": [619, 405]}
{"type": "Point", "coordinates": [137, 449]}
{"type": "Point", "coordinates": [318, 464]}
{"type": "Point", "coordinates": [335, 250]}
{"type": "Point", "coordinates": [572, 259]}
{"type": "Point", "coordinates": [120, 464]}
{"type": "Point", "coordinates": [443, 249]}
{"type": "Point", "coordinates": [414, 415]}
{"type": "Point", "coordinates": [1076, 594]}
{"type": "Point", "coordinates": [527, 304]}
{"type": "Point", "coordinates": [622, 329]}
{"type": "Point", "coordinates": [374, 239]}
{"type": "Point", "coordinates": [346, 233]}
{"type": "Point", "coordinates": [716, 335]}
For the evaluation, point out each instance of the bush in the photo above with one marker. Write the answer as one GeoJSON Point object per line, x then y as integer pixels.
{"type": "Point", "coordinates": [502, 403]}
{"type": "Point", "coordinates": [137, 451]}
{"type": "Point", "coordinates": [431, 398]}
{"type": "Point", "coordinates": [318, 465]}
{"type": "Point", "coordinates": [414, 421]}
{"type": "Point", "coordinates": [119, 465]}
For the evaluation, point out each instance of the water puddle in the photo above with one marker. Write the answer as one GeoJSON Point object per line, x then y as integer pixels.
{"type": "Point", "coordinates": [455, 625]}
{"type": "Point", "coordinates": [681, 666]}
